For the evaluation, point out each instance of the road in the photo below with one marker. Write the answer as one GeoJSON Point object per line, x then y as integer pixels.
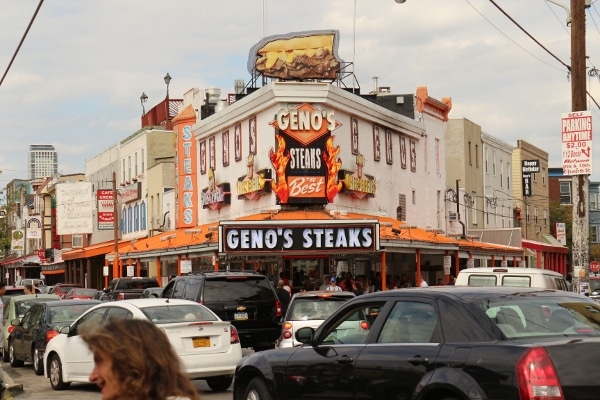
{"type": "Point", "coordinates": [38, 387]}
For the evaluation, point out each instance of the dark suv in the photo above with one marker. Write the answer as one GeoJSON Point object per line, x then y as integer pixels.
{"type": "Point", "coordinates": [246, 299]}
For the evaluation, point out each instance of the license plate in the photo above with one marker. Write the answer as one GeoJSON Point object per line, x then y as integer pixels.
{"type": "Point", "coordinates": [201, 342]}
{"type": "Point", "coordinates": [240, 316]}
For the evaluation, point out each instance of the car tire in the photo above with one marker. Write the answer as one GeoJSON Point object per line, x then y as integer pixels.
{"type": "Point", "coordinates": [55, 374]}
{"type": "Point", "coordinates": [219, 383]}
{"type": "Point", "coordinates": [257, 390]}
{"type": "Point", "coordinates": [5, 357]}
{"type": "Point", "coordinates": [12, 358]}
{"type": "Point", "coordinates": [38, 365]}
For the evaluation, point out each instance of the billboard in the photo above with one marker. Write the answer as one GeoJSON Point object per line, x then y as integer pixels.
{"type": "Point", "coordinates": [74, 206]}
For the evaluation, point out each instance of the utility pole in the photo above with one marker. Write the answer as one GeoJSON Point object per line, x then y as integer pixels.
{"type": "Point", "coordinates": [580, 234]}
{"type": "Point", "coordinates": [116, 269]}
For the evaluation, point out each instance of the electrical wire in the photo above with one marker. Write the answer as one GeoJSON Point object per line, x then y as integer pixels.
{"type": "Point", "coordinates": [21, 42]}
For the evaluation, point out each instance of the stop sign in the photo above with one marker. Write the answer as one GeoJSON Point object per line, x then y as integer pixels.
{"type": "Point", "coordinates": [594, 266]}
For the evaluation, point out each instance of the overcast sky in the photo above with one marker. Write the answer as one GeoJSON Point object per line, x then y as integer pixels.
{"type": "Point", "coordinates": [77, 79]}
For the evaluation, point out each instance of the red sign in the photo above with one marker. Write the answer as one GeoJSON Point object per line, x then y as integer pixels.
{"type": "Point", "coordinates": [594, 266]}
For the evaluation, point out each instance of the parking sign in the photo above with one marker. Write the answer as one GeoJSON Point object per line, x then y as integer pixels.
{"type": "Point", "coordinates": [577, 143]}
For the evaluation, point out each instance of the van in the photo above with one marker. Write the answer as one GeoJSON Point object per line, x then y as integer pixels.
{"type": "Point", "coordinates": [512, 276]}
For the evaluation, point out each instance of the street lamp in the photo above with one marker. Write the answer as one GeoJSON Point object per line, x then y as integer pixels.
{"type": "Point", "coordinates": [167, 81]}
{"type": "Point", "coordinates": [143, 99]}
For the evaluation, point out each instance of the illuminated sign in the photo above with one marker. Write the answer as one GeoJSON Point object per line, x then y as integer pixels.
{"type": "Point", "coordinates": [254, 184]}
{"type": "Point", "coordinates": [356, 183]}
{"type": "Point", "coordinates": [215, 196]}
{"type": "Point", "coordinates": [295, 235]}
{"type": "Point", "coordinates": [305, 160]}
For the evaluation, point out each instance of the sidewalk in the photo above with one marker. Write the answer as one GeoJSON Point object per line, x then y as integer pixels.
{"type": "Point", "coordinates": [12, 390]}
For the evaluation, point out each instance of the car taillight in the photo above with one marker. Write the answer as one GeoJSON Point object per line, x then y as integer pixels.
{"type": "Point", "coordinates": [235, 338]}
{"type": "Point", "coordinates": [537, 376]}
{"type": "Point", "coordinates": [287, 330]}
{"type": "Point", "coordinates": [50, 334]}
{"type": "Point", "coordinates": [11, 328]}
{"type": "Point", "coordinates": [278, 310]}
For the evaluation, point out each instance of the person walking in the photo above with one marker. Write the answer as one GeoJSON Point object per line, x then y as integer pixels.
{"type": "Point", "coordinates": [134, 360]}
{"type": "Point", "coordinates": [283, 296]}
{"type": "Point", "coordinates": [28, 289]}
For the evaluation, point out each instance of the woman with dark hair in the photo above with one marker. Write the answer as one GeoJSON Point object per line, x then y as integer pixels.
{"type": "Point", "coordinates": [134, 360]}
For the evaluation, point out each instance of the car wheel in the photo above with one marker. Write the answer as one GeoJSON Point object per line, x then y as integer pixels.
{"type": "Point", "coordinates": [38, 365]}
{"type": "Point", "coordinates": [11, 356]}
{"type": "Point", "coordinates": [5, 357]}
{"type": "Point", "coordinates": [219, 383]}
{"type": "Point", "coordinates": [56, 380]}
{"type": "Point", "coordinates": [257, 390]}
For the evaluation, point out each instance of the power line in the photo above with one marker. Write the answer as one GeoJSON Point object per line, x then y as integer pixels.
{"type": "Point", "coordinates": [21, 42]}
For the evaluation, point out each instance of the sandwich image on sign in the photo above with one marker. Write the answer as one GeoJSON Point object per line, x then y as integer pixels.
{"type": "Point", "coordinates": [297, 55]}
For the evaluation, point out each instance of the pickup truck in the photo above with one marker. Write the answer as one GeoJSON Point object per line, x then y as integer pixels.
{"type": "Point", "coordinates": [128, 288]}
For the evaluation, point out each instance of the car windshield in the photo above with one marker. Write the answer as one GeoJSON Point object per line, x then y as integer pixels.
{"type": "Point", "coordinates": [68, 313]}
{"type": "Point", "coordinates": [178, 313]}
{"type": "Point", "coordinates": [524, 317]}
{"type": "Point", "coordinates": [314, 308]}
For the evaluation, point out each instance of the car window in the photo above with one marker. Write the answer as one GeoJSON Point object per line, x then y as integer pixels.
{"type": "Point", "coordinates": [191, 290]}
{"type": "Point", "coordinates": [229, 290]}
{"type": "Point", "coordinates": [353, 326]}
{"type": "Point", "coordinates": [314, 308]}
{"type": "Point", "coordinates": [516, 281]}
{"type": "Point", "coordinates": [178, 313]}
{"type": "Point", "coordinates": [28, 318]}
{"type": "Point", "coordinates": [22, 307]}
{"type": "Point", "coordinates": [544, 316]}
{"type": "Point", "coordinates": [92, 319]}
{"type": "Point", "coordinates": [410, 322]}
{"type": "Point", "coordinates": [118, 312]}
{"type": "Point", "coordinates": [482, 280]}
{"type": "Point", "coordinates": [7, 305]}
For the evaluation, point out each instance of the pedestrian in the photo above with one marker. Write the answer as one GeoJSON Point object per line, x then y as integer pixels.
{"type": "Point", "coordinates": [134, 360]}
{"type": "Point", "coordinates": [325, 284]}
{"type": "Point", "coordinates": [28, 289]}
{"type": "Point", "coordinates": [440, 282]}
{"type": "Point", "coordinates": [333, 285]}
{"type": "Point", "coordinates": [283, 296]}
{"type": "Point", "coordinates": [423, 283]}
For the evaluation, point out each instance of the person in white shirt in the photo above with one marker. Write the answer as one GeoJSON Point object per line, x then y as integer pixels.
{"type": "Point", "coordinates": [333, 285]}
{"type": "Point", "coordinates": [423, 283]}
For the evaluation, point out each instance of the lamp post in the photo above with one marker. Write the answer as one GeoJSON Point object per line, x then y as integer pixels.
{"type": "Point", "coordinates": [167, 81]}
{"type": "Point", "coordinates": [143, 99]}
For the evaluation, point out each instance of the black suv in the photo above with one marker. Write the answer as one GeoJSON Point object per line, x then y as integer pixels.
{"type": "Point", "coordinates": [246, 299]}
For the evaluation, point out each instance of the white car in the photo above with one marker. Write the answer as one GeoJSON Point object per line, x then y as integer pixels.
{"type": "Point", "coordinates": [208, 347]}
{"type": "Point", "coordinates": [309, 309]}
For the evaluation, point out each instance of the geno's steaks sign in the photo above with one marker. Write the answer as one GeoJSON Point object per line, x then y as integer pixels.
{"type": "Point", "coordinates": [275, 236]}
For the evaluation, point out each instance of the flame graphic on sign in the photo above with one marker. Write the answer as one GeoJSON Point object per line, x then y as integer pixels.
{"type": "Point", "coordinates": [279, 160]}
{"type": "Point", "coordinates": [333, 163]}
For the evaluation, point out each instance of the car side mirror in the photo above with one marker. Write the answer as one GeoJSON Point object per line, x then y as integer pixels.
{"type": "Point", "coordinates": [65, 329]}
{"type": "Point", "coordinates": [305, 335]}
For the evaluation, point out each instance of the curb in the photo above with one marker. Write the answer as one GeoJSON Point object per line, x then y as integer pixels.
{"type": "Point", "coordinates": [10, 388]}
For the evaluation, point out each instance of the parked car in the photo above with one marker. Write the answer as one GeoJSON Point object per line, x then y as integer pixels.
{"type": "Point", "coordinates": [30, 335]}
{"type": "Point", "coordinates": [30, 281]}
{"type": "Point", "coordinates": [81, 293]}
{"type": "Point", "coordinates": [247, 299]}
{"type": "Point", "coordinates": [61, 289]}
{"type": "Point", "coordinates": [129, 287]}
{"type": "Point", "coordinates": [511, 276]}
{"type": "Point", "coordinates": [309, 309]}
{"type": "Point", "coordinates": [153, 292]}
{"type": "Point", "coordinates": [17, 290]}
{"type": "Point", "coordinates": [443, 342]}
{"type": "Point", "coordinates": [16, 307]}
{"type": "Point", "coordinates": [208, 348]}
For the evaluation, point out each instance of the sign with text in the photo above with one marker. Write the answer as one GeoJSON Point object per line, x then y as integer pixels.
{"type": "Point", "coordinates": [74, 208]}
{"type": "Point", "coordinates": [106, 209]}
{"type": "Point", "coordinates": [561, 233]}
{"type": "Point", "coordinates": [528, 167]}
{"type": "Point", "coordinates": [305, 236]}
{"type": "Point", "coordinates": [577, 143]}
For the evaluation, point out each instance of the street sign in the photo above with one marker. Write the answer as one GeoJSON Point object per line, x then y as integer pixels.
{"type": "Point", "coordinates": [594, 266]}
{"type": "Point", "coordinates": [577, 143]}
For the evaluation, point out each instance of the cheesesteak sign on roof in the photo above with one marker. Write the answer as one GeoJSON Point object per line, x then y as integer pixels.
{"type": "Point", "coordinates": [274, 236]}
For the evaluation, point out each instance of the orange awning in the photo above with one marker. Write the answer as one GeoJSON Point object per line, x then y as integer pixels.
{"type": "Point", "coordinates": [54, 272]}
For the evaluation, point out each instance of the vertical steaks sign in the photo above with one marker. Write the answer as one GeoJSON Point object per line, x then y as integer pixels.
{"type": "Point", "coordinates": [320, 236]}
{"type": "Point", "coordinates": [305, 160]}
